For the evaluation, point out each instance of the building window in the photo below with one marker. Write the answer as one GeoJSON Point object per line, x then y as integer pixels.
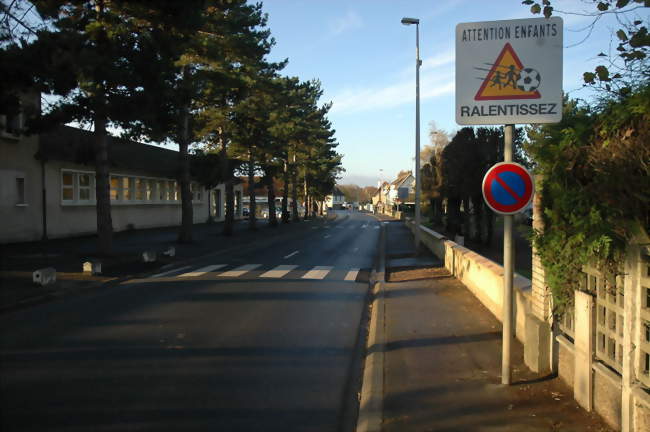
{"type": "Point", "coordinates": [162, 191]}
{"type": "Point", "coordinates": [67, 186]}
{"type": "Point", "coordinates": [149, 189]}
{"type": "Point", "coordinates": [127, 186]}
{"type": "Point", "coordinates": [20, 191]}
{"type": "Point", "coordinates": [85, 187]}
{"type": "Point", "coordinates": [139, 189]}
{"type": "Point", "coordinates": [196, 191]}
{"type": "Point", "coordinates": [115, 187]}
{"type": "Point", "coordinates": [11, 123]}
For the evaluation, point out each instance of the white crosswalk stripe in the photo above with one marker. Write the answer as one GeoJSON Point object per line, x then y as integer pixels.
{"type": "Point", "coordinates": [236, 272]}
{"type": "Point", "coordinates": [318, 272]}
{"type": "Point", "coordinates": [203, 270]}
{"type": "Point", "coordinates": [279, 271]}
{"type": "Point", "coordinates": [163, 274]}
{"type": "Point", "coordinates": [352, 274]}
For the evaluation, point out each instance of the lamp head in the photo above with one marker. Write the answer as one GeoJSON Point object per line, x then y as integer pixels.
{"type": "Point", "coordinates": [409, 21]}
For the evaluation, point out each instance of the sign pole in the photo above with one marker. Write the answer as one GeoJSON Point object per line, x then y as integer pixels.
{"type": "Point", "coordinates": [508, 255]}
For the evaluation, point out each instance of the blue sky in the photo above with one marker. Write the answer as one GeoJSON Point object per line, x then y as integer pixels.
{"type": "Point", "coordinates": [365, 60]}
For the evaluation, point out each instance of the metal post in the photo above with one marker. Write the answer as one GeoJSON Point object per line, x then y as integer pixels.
{"type": "Point", "coordinates": [417, 138]}
{"type": "Point", "coordinates": [508, 265]}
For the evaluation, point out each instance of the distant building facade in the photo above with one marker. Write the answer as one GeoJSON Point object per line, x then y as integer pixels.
{"type": "Point", "coordinates": [335, 200]}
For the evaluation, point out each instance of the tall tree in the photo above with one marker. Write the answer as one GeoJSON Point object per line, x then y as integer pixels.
{"type": "Point", "coordinates": [89, 50]}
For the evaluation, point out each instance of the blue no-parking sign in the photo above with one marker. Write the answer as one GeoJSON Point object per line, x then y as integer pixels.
{"type": "Point", "coordinates": [508, 188]}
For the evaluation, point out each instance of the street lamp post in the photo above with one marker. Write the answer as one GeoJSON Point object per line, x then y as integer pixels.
{"type": "Point", "coordinates": [418, 63]}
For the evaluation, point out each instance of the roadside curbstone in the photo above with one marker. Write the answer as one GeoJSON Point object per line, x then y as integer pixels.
{"type": "Point", "coordinates": [92, 267]}
{"type": "Point", "coordinates": [371, 401]}
{"type": "Point", "coordinates": [149, 256]}
{"type": "Point", "coordinates": [45, 276]}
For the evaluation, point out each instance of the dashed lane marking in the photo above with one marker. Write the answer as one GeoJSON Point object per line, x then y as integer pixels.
{"type": "Point", "coordinates": [203, 270]}
{"type": "Point", "coordinates": [170, 272]}
{"type": "Point", "coordinates": [352, 274]}
{"type": "Point", "coordinates": [327, 236]}
{"type": "Point", "coordinates": [236, 272]}
{"type": "Point", "coordinates": [291, 254]}
{"type": "Point", "coordinates": [318, 272]}
{"type": "Point", "coordinates": [279, 271]}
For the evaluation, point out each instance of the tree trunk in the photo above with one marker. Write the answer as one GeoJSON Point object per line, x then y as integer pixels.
{"type": "Point", "coordinates": [294, 192]}
{"type": "Point", "coordinates": [251, 191]}
{"type": "Point", "coordinates": [187, 211]}
{"type": "Point", "coordinates": [229, 217]}
{"type": "Point", "coordinates": [489, 226]}
{"type": "Point", "coordinates": [306, 195]}
{"type": "Point", "coordinates": [478, 217]}
{"type": "Point", "coordinates": [102, 187]}
{"type": "Point", "coordinates": [285, 195]}
{"type": "Point", "coordinates": [185, 233]}
{"type": "Point", "coordinates": [273, 220]}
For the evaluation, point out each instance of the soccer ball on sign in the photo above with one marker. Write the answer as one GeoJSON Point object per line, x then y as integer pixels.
{"type": "Point", "coordinates": [529, 80]}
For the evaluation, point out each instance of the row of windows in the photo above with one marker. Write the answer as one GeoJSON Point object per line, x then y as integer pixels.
{"type": "Point", "coordinates": [79, 187]}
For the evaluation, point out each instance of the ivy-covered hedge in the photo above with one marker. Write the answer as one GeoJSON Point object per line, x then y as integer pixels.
{"type": "Point", "coordinates": [595, 185]}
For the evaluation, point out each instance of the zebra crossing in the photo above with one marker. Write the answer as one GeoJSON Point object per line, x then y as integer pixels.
{"type": "Point", "coordinates": [290, 271]}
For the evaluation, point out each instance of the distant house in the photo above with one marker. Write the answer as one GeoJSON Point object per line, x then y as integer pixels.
{"type": "Point", "coordinates": [335, 200]}
{"type": "Point", "coordinates": [380, 197]}
{"type": "Point", "coordinates": [402, 190]}
{"type": "Point", "coordinates": [47, 185]}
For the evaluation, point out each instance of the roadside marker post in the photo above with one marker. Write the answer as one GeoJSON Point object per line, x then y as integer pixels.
{"type": "Point", "coordinates": [509, 72]}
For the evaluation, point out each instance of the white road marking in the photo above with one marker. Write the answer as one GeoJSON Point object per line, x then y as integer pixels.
{"type": "Point", "coordinates": [318, 272]}
{"type": "Point", "coordinates": [279, 271]}
{"type": "Point", "coordinates": [327, 236]}
{"type": "Point", "coordinates": [236, 272]}
{"type": "Point", "coordinates": [356, 249]}
{"type": "Point", "coordinates": [352, 274]}
{"type": "Point", "coordinates": [291, 254]}
{"type": "Point", "coordinates": [202, 271]}
{"type": "Point", "coordinates": [364, 226]}
{"type": "Point", "coordinates": [377, 227]}
{"type": "Point", "coordinates": [169, 272]}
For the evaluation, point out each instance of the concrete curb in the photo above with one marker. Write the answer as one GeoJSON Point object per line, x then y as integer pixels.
{"type": "Point", "coordinates": [372, 388]}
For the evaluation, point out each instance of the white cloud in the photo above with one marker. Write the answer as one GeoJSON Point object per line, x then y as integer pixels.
{"type": "Point", "coordinates": [350, 21]}
{"type": "Point", "coordinates": [436, 79]}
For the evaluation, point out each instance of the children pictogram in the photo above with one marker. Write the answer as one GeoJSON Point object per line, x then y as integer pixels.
{"type": "Point", "coordinates": [507, 78]}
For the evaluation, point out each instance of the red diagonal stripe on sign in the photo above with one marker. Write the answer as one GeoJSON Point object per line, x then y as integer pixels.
{"type": "Point", "coordinates": [507, 188]}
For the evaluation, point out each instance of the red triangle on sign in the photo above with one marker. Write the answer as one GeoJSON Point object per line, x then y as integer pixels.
{"type": "Point", "coordinates": [506, 67]}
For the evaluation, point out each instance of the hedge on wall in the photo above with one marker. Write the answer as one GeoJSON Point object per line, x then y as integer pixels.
{"type": "Point", "coordinates": [595, 168]}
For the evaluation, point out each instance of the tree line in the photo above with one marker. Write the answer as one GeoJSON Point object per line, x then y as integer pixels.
{"type": "Point", "coordinates": [193, 73]}
{"type": "Point", "coordinates": [452, 173]}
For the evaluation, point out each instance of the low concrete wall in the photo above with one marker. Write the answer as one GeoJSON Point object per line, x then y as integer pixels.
{"type": "Point", "coordinates": [566, 362]}
{"type": "Point", "coordinates": [483, 277]}
{"type": "Point", "coordinates": [641, 413]}
{"type": "Point", "coordinates": [607, 395]}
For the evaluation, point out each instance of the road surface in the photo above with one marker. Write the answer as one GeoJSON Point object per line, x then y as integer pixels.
{"type": "Point", "coordinates": [262, 340]}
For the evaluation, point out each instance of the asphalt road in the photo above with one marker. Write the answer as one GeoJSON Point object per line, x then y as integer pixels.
{"type": "Point", "coordinates": [257, 340]}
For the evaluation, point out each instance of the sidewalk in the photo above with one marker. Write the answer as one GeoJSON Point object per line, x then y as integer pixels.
{"type": "Point", "coordinates": [19, 260]}
{"type": "Point", "coordinates": [442, 362]}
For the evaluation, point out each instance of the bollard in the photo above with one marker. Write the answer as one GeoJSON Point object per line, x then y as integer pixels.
{"type": "Point", "coordinates": [149, 256]}
{"type": "Point", "coordinates": [44, 276]}
{"type": "Point", "coordinates": [92, 267]}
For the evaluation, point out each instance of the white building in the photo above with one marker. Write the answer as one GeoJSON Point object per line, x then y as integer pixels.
{"type": "Point", "coordinates": [47, 186]}
{"type": "Point", "coordinates": [335, 200]}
